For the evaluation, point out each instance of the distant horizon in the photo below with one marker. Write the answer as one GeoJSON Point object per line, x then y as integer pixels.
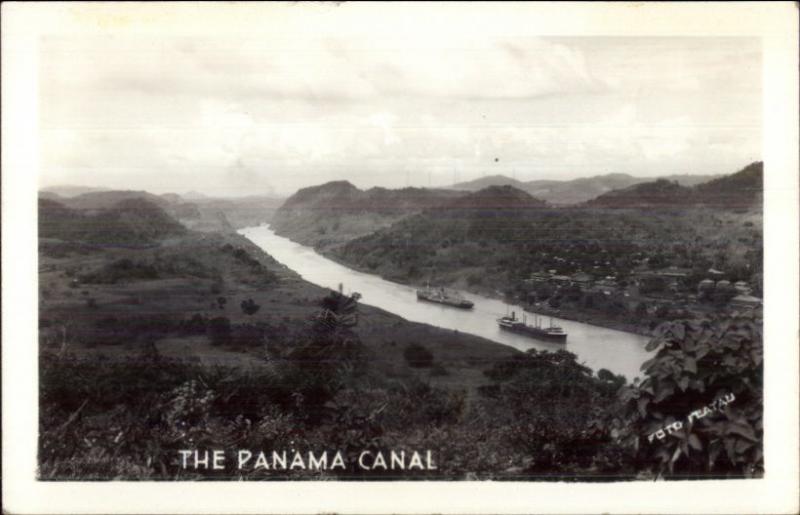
{"type": "Point", "coordinates": [380, 103]}
{"type": "Point", "coordinates": [277, 195]}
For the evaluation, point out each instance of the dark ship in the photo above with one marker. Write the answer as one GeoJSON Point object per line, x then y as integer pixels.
{"type": "Point", "coordinates": [551, 333]}
{"type": "Point", "coordinates": [442, 296]}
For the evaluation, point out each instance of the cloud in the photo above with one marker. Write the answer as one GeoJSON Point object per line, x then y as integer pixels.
{"type": "Point", "coordinates": [289, 111]}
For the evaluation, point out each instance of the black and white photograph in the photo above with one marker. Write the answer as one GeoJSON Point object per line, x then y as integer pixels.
{"type": "Point", "coordinates": [367, 243]}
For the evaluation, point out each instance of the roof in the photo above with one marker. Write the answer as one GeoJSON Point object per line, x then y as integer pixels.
{"type": "Point", "coordinates": [746, 299]}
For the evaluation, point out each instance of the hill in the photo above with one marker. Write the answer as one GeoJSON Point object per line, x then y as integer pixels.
{"type": "Point", "coordinates": [333, 213]}
{"type": "Point", "coordinates": [578, 190]}
{"type": "Point", "coordinates": [740, 190]}
{"type": "Point", "coordinates": [485, 182]}
{"type": "Point", "coordinates": [106, 199]}
{"type": "Point", "coordinates": [196, 212]}
{"type": "Point", "coordinates": [659, 193]}
{"type": "Point", "coordinates": [502, 198]}
{"type": "Point", "coordinates": [129, 221]}
{"type": "Point", "coordinates": [229, 214]}
{"type": "Point", "coordinates": [70, 190]}
{"type": "Point", "coordinates": [575, 191]}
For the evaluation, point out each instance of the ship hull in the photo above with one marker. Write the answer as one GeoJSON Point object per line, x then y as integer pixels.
{"type": "Point", "coordinates": [453, 304]}
{"type": "Point", "coordinates": [533, 332]}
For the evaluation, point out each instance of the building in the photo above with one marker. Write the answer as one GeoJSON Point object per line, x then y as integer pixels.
{"type": "Point", "coordinates": [582, 279]}
{"type": "Point", "coordinates": [561, 279]}
{"type": "Point", "coordinates": [673, 272]}
{"type": "Point", "coordinates": [724, 285]}
{"type": "Point", "coordinates": [608, 285]}
{"type": "Point", "coordinates": [539, 277]}
{"type": "Point", "coordinates": [745, 301]}
{"type": "Point", "coordinates": [706, 285]}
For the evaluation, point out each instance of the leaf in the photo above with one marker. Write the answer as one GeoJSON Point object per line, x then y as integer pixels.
{"type": "Point", "coordinates": [729, 450]}
{"type": "Point", "coordinates": [663, 393]}
{"type": "Point", "coordinates": [713, 451]}
{"type": "Point", "coordinates": [675, 456]}
{"type": "Point", "coordinates": [683, 383]}
{"type": "Point", "coordinates": [647, 364]}
{"type": "Point", "coordinates": [654, 344]}
{"type": "Point", "coordinates": [742, 430]}
{"type": "Point", "coordinates": [699, 385]}
{"type": "Point", "coordinates": [695, 443]}
{"type": "Point", "coordinates": [642, 405]}
{"type": "Point", "coordinates": [690, 364]}
{"type": "Point", "coordinates": [742, 446]}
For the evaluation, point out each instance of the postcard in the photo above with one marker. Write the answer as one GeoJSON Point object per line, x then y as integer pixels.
{"type": "Point", "coordinates": [378, 257]}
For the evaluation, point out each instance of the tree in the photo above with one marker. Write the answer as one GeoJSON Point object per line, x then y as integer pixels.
{"type": "Point", "coordinates": [330, 354]}
{"type": "Point", "coordinates": [418, 356]}
{"type": "Point", "coordinates": [219, 330]}
{"type": "Point", "coordinates": [700, 407]}
{"type": "Point", "coordinates": [544, 291]}
{"type": "Point", "coordinates": [249, 307]}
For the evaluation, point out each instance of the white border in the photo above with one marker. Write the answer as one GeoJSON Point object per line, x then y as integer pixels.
{"type": "Point", "coordinates": [776, 23]}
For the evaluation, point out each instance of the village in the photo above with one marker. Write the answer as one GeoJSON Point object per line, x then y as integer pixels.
{"type": "Point", "coordinates": [649, 295]}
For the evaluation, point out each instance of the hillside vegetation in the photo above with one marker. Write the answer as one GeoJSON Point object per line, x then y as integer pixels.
{"type": "Point", "coordinates": [333, 213]}
{"type": "Point", "coordinates": [155, 338]}
{"type": "Point", "coordinates": [194, 212]}
{"type": "Point", "coordinates": [130, 220]}
{"type": "Point", "coordinates": [741, 190]}
{"type": "Point", "coordinates": [575, 191]}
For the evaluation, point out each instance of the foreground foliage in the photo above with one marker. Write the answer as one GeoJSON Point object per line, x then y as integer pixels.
{"type": "Point", "coordinates": [539, 415]}
{"type": "Point", "coordinates": [700, 409]}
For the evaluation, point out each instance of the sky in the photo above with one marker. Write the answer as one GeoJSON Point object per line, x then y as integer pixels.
{"type": "Point", "coordinates": [271, 111]}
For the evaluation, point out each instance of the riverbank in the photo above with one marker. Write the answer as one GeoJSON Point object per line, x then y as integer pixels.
{"type": "Point", "coordinates": [595, 319]}
{"type": "Point", "coordinates": [458, 281]}
{"type": "Point", "coordinates": [210, 275]}
{"type": "Point", "coordinates": [597, 347]}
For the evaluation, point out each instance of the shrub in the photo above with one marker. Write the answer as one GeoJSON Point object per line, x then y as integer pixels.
{"type": "Point", "coordinates": [438, 370]}
{"type": "Point", "coordinates": [418, 356]}
{"type": "Point", "coordinates": [219, 330]}
{"type": "Point", "coordinates": [553, 411]}
{"type": "Point", "coordinates": [195, 325]}
{"type": "Point", "coordinates": [249, 307]}
{"type": "Point", "coordinates": [700, 408]}
{"type": "Point", "coordinates": [330, 356]}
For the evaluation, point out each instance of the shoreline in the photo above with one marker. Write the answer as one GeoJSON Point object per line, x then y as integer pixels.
{"type": "Point", "coordinates": [575, 316]}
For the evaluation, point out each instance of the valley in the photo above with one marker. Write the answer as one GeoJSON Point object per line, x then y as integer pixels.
{"type": "Point", "coordinates": [641, 250]}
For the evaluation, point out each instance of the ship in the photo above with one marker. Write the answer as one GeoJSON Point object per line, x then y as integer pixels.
{"type": "Point", "coordinates": [443, 296]}
{"type": "Point", "coordinates": [551, 333]}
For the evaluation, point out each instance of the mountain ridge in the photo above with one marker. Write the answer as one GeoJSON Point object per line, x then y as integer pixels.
{"type": "Point", "coordinates": [741, 189]}
{"type": "Point", "coordinates": [130, 221]}
{"type": "Point", "coordinates": [574, 191]}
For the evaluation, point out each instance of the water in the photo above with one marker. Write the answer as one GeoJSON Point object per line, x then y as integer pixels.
{"type": "Point", "coordinates": [596, 347]}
